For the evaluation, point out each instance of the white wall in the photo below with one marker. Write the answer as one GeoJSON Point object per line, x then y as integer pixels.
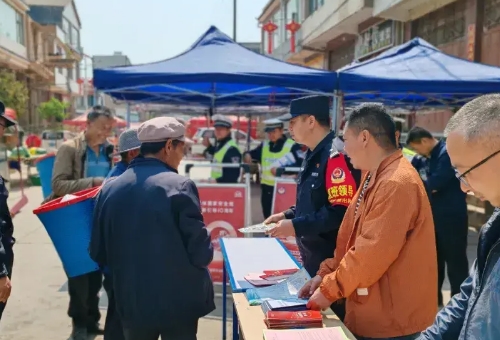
{"type": "Point", "coordinates": [70, 14]}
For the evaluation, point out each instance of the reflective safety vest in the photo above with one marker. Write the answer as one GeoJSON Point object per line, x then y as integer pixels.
{"type": "Point", "coordinates": [218, 158]}
{"type": "Point", "coordinates": [409, 154]}
{"type": "Point", "coordinates": [268, 158]}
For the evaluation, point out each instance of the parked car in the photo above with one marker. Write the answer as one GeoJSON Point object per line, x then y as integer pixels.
{"type": "Point", "coordinates": [51, 140]}
{"type": "Point", "coordinates": [239, 136]}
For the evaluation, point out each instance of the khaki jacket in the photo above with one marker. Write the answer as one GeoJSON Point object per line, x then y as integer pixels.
{"type": "Point", "coordinates": [68, 173]}
{"type": "Point", "coordinates": [385, 262]}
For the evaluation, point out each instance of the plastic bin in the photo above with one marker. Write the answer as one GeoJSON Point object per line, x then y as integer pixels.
{"type": "Point", "coordinates": [44, 166]}
{"type": "Point", "coordinates": [69, 225]}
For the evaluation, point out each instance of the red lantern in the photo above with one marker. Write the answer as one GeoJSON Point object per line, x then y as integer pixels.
{"type": "Point", "coordinates": [270, 27]}
{"type": "Point", "coordinates": [293, 27]}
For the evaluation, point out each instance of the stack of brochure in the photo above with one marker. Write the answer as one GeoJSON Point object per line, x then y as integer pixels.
{"type": "Point", "coordinates": [288, 320]}
{"type": "Point", "coordinates": [257, 228]}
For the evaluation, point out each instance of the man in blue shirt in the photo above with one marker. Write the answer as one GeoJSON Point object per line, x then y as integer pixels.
{"type": "Point", "coordinates": [80, 164]}
{"type": "Point", "coordinates": [449, 208]}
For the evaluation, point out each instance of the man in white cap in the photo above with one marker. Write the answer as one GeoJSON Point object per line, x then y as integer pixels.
{"type": "Point", "coordinates": [159, 250]}
{"type": "Point", "coordinates": [7, 228]}
{"type": "Point", "coordinates": [225, 151]}
{"type": "Point", "coordinates": [267, 153]}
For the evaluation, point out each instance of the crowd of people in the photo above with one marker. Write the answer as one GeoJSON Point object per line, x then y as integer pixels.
{"type": "Point", "coordinates": [377, 223]}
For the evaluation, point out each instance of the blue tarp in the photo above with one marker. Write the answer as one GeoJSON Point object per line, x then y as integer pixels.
{"type": "Point", "coordinates": [214, 70]}
{"type": "Point", "coordinates": [418, 67]}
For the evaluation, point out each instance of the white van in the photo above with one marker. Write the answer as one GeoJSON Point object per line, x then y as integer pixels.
{"type": "Point", "coordinates": [51, 140]}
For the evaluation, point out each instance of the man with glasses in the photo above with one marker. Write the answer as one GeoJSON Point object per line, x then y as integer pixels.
{"type": "Point", "coordinates": [449, 207]}
{"type": "Point", "coordinates": [473, 144]}
{"type": "Point", "coordinates": [6, 227]}
{"type": "Point", "coordinates": [82, 163]}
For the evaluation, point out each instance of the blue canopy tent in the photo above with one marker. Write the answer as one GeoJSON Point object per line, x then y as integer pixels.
{"type": "Point", "coordinates": [417, 73]}
{"type": "Point", "coordinates": [214, 71]}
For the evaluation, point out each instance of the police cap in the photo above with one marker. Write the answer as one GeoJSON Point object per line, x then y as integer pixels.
{"type": "Point", "coordinates": [272, 124]}
{"type": "Point", "coordinates": [222, 121]}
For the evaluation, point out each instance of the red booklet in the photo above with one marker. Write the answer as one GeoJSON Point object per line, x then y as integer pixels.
{"type": "Point", "coordinates": [277, 273]}
{"type": "Point", "coordinates": [299, 319]}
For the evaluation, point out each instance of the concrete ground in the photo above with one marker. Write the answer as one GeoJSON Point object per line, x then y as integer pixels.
{"type": "Point", "coordinates": [38, 304]}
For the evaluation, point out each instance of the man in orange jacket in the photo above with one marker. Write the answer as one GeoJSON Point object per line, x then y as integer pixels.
{"type": "Point", "coordinates": [385, 261]}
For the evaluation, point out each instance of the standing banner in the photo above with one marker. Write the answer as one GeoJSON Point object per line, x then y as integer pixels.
{"type": "Point", "coordinates": [285, 195]}
{"type": "Point", "coordinates": [223, 209]}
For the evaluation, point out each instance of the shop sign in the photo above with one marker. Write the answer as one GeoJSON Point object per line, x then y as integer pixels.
{"type": "Point", "coordinates": [375, 39]}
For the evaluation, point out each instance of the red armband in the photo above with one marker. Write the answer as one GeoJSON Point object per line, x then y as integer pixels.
{"type": "Point", "coordinates": [339, 182]}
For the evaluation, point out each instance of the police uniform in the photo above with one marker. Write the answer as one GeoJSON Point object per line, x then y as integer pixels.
{"type": "Point", "coordinates": [226, 151]}
{"type": "Point", "coordinates": [407, 153]}
{"type": "Point", "coordinates": [325, 187]}
{"type": "Point", "coordinates": [6, 227]}
{"type": "Point", "coordinates": [268, 153]}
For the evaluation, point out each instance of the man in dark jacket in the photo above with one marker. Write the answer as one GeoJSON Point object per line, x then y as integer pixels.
{"type": "Point", "coordinates": [6, 227]}
{"type": "Point", "coordinates": [449, 208]}
{"type": "Point", "coordinates": [474, 147]}
{"type": "Point", "coordinates": [159, 250]}
{"type": "Point", "coordinates": [325, 186]}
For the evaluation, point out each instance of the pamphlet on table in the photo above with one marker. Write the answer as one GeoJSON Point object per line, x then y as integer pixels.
{"type": "Point", "coordinates": [286, 290]}
{"type": "Point", "coordinates": [257, 228]}
{"type": "Point", "coordinates": [327, 333]}
{"type": "Point", "coordinates": [295, 320]}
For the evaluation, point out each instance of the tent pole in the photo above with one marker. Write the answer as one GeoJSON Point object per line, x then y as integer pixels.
{"type": "Point", "coordinates": [235, 20]}
{"type": "Point", "coordinates": [128, 115]}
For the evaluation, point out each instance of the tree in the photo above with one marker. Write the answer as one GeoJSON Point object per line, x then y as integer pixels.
{"type": "Point", "coordinates": [13, 93]}
{"type": "Point", "coordinates": [53, 111]}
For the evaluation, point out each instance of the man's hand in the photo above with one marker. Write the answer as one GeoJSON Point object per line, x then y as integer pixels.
{"type": "Point", "coordinates": [318, 301]}
{"type": "Point", "coordinates": [273, 171]}
{"type": "Point", "coordinates": [5, 289]}
{"type": "Point", "coordinates": [283, 228]}
{"type": "Point", "coordinates": [275, 218]}
{"type": "Point", "coordinates": [308, 289]}
{"type": "Point", "coordinates": [206, 142]}
{"type": "Point", "coordinates": [247, 158]}
{"type": "Point", "coordinates": [97, 181]}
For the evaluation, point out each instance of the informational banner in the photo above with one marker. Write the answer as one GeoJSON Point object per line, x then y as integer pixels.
{"type": "Point", "coordinates": [285, 195]}
{"type": "Point", "coordinates": [223, 210]}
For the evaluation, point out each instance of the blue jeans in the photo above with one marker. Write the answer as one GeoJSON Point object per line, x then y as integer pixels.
{"type": "Point", "coordinates": [405, 337]}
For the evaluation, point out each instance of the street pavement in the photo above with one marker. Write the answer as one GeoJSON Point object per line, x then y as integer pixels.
{"type": "Point", "coordinates": [38, 304]}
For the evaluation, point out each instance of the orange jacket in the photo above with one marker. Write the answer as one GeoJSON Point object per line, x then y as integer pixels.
{"type": "Point", "coordinates": [385, 261]}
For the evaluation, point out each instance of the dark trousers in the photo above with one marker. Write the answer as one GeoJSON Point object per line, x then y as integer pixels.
{"type": "Point", "coordinates": [84, 298]}
{"type": "Point", "coordinates": [404, 337]}
{"type": "Point", "coordinates": [186, 331]}
{"type": "Point", "coordinates": [113, 329]}
{"type": "Point", "coordinates": [451, 246]}
{"type": "Point", "coordinates": [338, 308]}
{"type": "Point", "coordinates": [9, 255]}
{"type": "Point", "coordinates": [266, 199]}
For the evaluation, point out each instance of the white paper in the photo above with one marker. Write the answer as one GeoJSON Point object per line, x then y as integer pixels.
{"type": "Point", "coordinates": [257, 228]}
{"type": "Point", "coordinates": [285, 290]}
{"type": "Point", "coordinates": [67, 198]}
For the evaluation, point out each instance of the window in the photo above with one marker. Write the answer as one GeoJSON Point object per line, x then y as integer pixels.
{"type": "Point", "coordinates": [70, 73]}
{"type": "Point", "coordinates": [313, 5]}
{"type": "Point", "coordinates": [11, 23]}
{"type": "Point", "coordinates": [75, 39]}
{"type": "Point", "coordinates": [277, 33]}
{"type": "Point", "coordinates": [208, 134]}
{"type": "Point", "coordinates": [66, 29]}
{"type": "Point", "coordinates": [292, 13]}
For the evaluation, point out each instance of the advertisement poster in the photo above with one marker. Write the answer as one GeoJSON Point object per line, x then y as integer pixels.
{"type": "Point", "coordinates": [285, 193]}
{"type": "Point", "coordinates": [223, 211]}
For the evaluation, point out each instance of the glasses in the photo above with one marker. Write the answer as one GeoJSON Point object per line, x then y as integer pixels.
{"type": "Point", "coordinates": [461, 177]}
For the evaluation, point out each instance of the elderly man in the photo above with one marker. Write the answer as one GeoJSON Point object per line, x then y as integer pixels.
{"type": "Point", "coordinates": [83, 163]}
{"type": "Point", "coordinates": [159, 250]}
{"type": "Point", "coordinates": [473, 144]}
{"type": "Point", "coordinates": [385, 261]}
{"type": "Point", "coordinates": [449, 207]}
{"type": "Point", "coordinates": [128, 149]}
{"type": "Point", "coordinates": [6, 227]}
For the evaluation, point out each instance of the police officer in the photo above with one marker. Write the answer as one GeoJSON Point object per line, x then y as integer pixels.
{"type": "Point", "coordinates": [6, 227]}
{"type": "Point", "coordinates": [325, 185]}
{"type": "Point", "coordinates": [409, 154]}
{"type": "Point", "coordinates": [449, 207]}
{"type": "Point", "coordinates": [267, 153]}
{"type": "Point", "coordinates": [225, 151]}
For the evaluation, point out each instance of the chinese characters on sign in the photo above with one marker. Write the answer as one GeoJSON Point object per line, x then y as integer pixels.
{"type": "Point", "coordinates": [221, 207]}
{"type": "Point", "coordinates": [471, 41]}
{"type": "Point", "coordinates": [375, 39]}
{"type": "Point", "coordinates": [340, 194]}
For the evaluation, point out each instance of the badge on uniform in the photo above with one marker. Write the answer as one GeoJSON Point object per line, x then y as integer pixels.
{"type": "Point", "coordinates": [235, 159]}
{"type": "Point", "coordinates": [338, 175]}
{"type": "Point", "coordinates": [314, 174]}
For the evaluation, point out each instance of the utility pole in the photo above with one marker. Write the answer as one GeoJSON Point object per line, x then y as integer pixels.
{"type": "Point", "coordinates": [234, 20]}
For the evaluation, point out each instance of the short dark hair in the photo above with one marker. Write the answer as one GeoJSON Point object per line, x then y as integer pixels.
{"type": "Point", "coordinates": [416, 134]}
{"type": "Point", "coordinates": [99, 111]}
{"type": "Point", "coordinates": [124, 156]}
{"type": "Point", "coordinates": [322, 121]}
{"type": "Point", "coordinates": [373, 117]}
{"type": "Point", "coordinates": [154, 147]}
{"type": "Point", "coordinates": [399, 125]}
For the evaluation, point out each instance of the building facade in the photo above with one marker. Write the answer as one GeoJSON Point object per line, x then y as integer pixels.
{"type": "Point", "coordinates": [333, 34]}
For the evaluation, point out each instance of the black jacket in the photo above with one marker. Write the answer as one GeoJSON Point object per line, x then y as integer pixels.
{"type": "Point", "coordinates": [148, 229]}
{"type": "Point", "coordinates": [6, 230]}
